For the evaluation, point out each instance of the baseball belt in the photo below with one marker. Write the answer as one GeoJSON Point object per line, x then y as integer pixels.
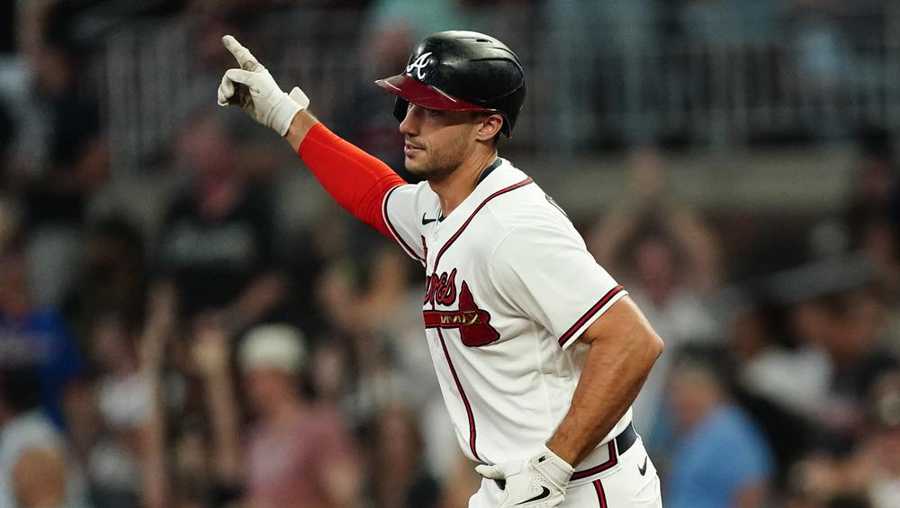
{"type": "Point", "coordinates": [614, 447]}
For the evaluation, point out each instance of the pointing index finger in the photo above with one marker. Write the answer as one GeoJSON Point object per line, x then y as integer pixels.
{"type": "Point", "coordinates": [243, 56]}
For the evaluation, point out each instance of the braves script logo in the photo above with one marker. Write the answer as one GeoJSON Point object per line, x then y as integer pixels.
{"type": "Point", "coordinates": [441, 290]}
{"type": "Point", "coordinates": [474, 324]}
{"type": "Point", "coordinates": [420, 65]}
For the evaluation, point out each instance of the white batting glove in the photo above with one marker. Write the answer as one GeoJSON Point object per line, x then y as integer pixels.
{"type": "Point", "coordinates": [256, 92]}
{"type": "Point", "coordinates": [539, 482]}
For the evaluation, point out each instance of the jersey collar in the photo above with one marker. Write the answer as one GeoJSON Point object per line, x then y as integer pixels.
{"type": "Point", "coordinates": [500, 174]}
{"type": "Point", "coordinates": [488, 170]}
{"type": "Point", "coordinates": [484, 174]}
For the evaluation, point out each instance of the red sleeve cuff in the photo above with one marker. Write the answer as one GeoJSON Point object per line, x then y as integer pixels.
{"type": "Point", "coordinates": [594, 312]}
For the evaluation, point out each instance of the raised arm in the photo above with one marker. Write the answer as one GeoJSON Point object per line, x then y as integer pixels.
{"type": "Point", "coordinates": [355, 179]}
{"type": "Point", "coordinates": [156, 490]}
{"type": "Point", "coordinates": [211, 355]}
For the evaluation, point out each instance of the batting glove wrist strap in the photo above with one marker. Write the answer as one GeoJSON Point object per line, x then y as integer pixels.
{"type": "Point", "coordinates": [539, 482]}
{"type": "Point", "coordinates": [553, 468]}
{"type": "Point", "coordinates": [254, 89]}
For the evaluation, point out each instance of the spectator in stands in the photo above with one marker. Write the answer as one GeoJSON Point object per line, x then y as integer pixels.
{"type": "Point", "coordinates": [873, 201]}
{"type": "Point", "coordinates": [780, 384]}
{"type": "Point", "coordinates": [298, 453]}
{"type": "Point", "coordinates": [806, 380]}
{"type": "Point", "coordinates": [61, 148]}
{"type": "Point", "coordinates": [721, 458]}
{"type": "Point", "coordinates": [330, 372]}
{"type": "Point", "coordinates": [858, 357]}
{"type": "Point", "coordinates": [836, 321]}
{"type": "Point", "coordinates": [668, 259]}
{"type": "Point", "coordinates": [176, 463]}
{"type": "Point", "coordinates": [868, 476]}
{"type": "Point", "coordinates": [399, 476]}
{"type": "Point", "coordinates": [35, 335]}
{"type": "Point", "coordinates": [112, 277]}
{"type": "Point", "coordinates": [123, 404]}
{"type": "Point", "coordinates": [872, 218]}
{"type": "Point", "coordinates": [217, 241]}
{"type": "Point", "coordinates": [882, 446]}
{"type": "Point", "coordinates": [36, 470]}
{"type": "Point", "coordinates": [789, 367]}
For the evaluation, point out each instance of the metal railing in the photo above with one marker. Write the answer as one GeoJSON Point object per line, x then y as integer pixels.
{"type": "Point", "coordinates": [587, 88]}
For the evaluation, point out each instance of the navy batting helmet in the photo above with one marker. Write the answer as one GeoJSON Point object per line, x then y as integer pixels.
{"type": "Point", "coordinates": [461, 71]}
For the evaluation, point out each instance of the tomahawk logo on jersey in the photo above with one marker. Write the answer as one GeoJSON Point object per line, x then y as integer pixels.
{"type": "Point", "coordinates": [510, 286]}
{"type": "Point", "coordinates": [473, 323]}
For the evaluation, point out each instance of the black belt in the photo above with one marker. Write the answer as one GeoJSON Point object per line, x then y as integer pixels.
{"type": "Point", "coordinates": [626, 438]}
{"type": "Point", "coordinates": [623, 441]}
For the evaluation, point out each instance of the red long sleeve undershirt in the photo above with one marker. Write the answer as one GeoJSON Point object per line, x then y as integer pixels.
{"type": "Point", "coordinates": [355, 179]}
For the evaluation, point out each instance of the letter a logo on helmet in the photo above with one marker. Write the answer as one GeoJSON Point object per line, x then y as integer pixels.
{"type": "Point", "coordinates": [461, 71]}
{"type": "Point", "coordinates": [420, 65]}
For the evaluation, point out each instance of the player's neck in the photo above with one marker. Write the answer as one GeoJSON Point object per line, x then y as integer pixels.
{"type": "Point", "coordinates": [456, 187]}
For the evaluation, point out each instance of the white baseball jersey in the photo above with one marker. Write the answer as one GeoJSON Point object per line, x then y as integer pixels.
{"type": "Point", "coordinates": [510, 286]}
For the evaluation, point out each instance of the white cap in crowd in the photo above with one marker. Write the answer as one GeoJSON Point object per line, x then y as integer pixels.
{"type": "Point", "coordinates": [274, 346]}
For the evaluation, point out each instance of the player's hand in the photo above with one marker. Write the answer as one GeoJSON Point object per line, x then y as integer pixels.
{"type": "Point", "coordinates": [539, 482]}
{"type": "Point", "coordinates": [256, 92]}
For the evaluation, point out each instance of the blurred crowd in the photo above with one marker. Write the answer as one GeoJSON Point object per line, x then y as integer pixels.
{"type": "Point", "coordinates": [176, 341]}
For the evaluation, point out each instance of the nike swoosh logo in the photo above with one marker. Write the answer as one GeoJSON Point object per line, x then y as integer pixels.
{"type": "Point", "coordinates": [643, 469]}
{"type": "Point", "coordinates": [426, 222]}
{"type": "Point", "coordinates": [542, 495]}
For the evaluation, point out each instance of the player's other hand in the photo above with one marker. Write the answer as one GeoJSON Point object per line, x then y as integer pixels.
{"type": "Point", "coordinates": [539, 482]}
{"type": "Point", "coordinates": [256, 92]}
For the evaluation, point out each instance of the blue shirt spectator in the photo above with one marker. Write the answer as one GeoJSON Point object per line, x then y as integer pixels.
{"type": "Point", "coordinates": [716, 459]}
{"type": "Point", "coordinates": [41, 338]}
{"type": "Point", "coordinates": [35, 336]}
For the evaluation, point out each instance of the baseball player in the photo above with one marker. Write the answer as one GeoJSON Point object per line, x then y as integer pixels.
{"type": "Point", "coordinates": [539, 352]}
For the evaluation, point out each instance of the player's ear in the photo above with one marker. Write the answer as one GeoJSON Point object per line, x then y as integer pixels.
{"type": "Point", "coordinates": [489, 127]}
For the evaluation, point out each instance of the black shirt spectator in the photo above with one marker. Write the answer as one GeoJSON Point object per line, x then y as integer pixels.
{"type": "Point", "coordinates": [216, 242]}
{"type": "Point", "coordinates": [213, 259]}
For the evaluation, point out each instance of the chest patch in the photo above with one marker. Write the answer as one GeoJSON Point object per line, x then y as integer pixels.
{"type": "Point", "coordinates": [473, 323]}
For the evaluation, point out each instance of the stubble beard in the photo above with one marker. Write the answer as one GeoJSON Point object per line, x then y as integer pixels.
{"type": "Point", "coordinates": [438, 165]}
{"type": "Point", "coordinates": [433, 172]}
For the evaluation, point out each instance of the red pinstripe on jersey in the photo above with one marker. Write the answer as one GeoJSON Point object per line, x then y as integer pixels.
{"type": "Point", "coordinates": [601, 495]}
{"type": "Point", "coordinates": [462, 395]}
{"type": "Point", "coordinates": [437, 260]}
{"type": "Point", "coordinates": [610, 462]}
{"type": "Point", "coordinates": [387, 220]}
{"type": "Point", "coordinates": [465, 224]}
{"type": "Point", "coordinates": [590, 313]}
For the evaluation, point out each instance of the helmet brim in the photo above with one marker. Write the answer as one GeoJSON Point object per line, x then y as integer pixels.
{"type": "Point", "coordinates": [426, 96]}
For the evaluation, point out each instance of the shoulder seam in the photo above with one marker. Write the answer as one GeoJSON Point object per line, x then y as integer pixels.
{"type": "Point", "coordinates": [396, 234]}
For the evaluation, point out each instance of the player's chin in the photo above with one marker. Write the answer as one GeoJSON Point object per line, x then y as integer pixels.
{"type": "Point", "coordinates": [415, 165]}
